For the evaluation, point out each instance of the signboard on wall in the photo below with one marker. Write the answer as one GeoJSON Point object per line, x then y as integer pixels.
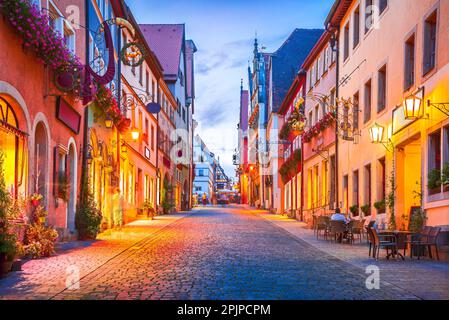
{"type": "Point", "coordinates": [67, 115]}
{"type": "Point", "coordinates": [399, 121]}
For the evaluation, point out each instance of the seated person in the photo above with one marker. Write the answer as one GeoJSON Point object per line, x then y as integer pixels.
{"type": "Point", "coordinates": [338, 216]}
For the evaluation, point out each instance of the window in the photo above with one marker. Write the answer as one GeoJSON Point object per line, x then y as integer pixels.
{"type": "Point", "coordinates": [345, 191]}
{"type": "Point", "coordinates": [152, 138]}
{"type": "Point", "coordinates": [355, 116]}
{"type": "Point", "coordinates": [146, 131]}
{"type": "Point", "coordinates": [434, 160]}
{"type": "Point", "coordinates": [368, 184]}
{"type": "Point", "coordinates": [355, 188]}
{"type": "Point", "coordinates": [356, 35]}
{"type": "Point", "coordinates": [147, 82]}
{"type": "Point", "coordinates": [69, 37]}
{"type": "Point", "coordinates": [153, 91]}
{"type": "Point", "coordinates": [332, 97]}
{"type": "Point", "coordinates": [55, 18]}
{"type": "Point", "coordinates": [317, 114]}
{"type": "Point", "coordinates": [141, 74]}
{"type": "Point", "coordinates": [181, 78]}
{"type": "Point", "coordinates": [346, 43]}
{"type": "Point", "coordinates": [367, 110]}
{"type": "Point", "coordinates": [332, 184]}
{"type": "Point", "coordinates": [325, 186]}
{"type": "Point", "coordinates": [382, 5]}
{"type": "Point", "coordinates": [368, 15]}
{"type": "Point", "coordinates": [409, 75]}
{"type": "Point", "coordinates": [382, 88]}
{"type": "Point", "coordinates": [201, 173]}
{"type": "Point", "coordinates": [325, 60]}
{"type": "Point", "coordinates": [430, 43]}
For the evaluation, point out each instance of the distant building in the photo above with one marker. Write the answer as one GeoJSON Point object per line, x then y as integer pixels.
{"type": "Point", "coordinates": [176, 56]}
{"type": "Point", "coordinates": [205, 166]}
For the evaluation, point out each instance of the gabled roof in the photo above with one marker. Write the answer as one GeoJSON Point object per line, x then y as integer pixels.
{"type": "Point", "coordinates": [337, 13]}
{"type": "Point", "coordinates": [167, 42]}
{"type": "Point", "coordinates": [287, 60]}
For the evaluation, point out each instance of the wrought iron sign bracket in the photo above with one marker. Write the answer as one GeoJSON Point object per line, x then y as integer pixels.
{"type": "Point", "coordinates": [388, 145]}
{"type": "Point", "coordinates": [442, 106]}
{"type": "Point", "coordinates": [322, 153]}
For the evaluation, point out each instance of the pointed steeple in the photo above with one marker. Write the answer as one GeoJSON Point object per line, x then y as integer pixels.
{"type": "Point", "coordinates": [256, 45]}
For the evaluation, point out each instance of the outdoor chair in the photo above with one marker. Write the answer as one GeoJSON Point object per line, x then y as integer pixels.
{"type": "Point", "coordinates": [416, 239]}
{"type": "Point", "coordinates": [321, 225]}
{"type": "Point", "coordinates": [430, 241]}
{"type": "Point", "coordinates": [337, 229]}
{"type": "Point", "coordinates": [370, 225]}
{"type": "Point", "coordinates": [388, 242]}
{"type": "Point", "coordinates": [355, 228]}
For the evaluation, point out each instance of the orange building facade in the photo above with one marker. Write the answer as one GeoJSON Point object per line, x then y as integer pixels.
{"type": "Point", "coordinates": [397, 52]}
{"type": "Point", "coordinates": [41, 129]}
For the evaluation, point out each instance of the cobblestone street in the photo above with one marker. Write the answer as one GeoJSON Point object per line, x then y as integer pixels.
{"type": "Point", "coordinates": [213, 253]}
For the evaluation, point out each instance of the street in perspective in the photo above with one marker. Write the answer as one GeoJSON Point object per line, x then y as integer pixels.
{"type": "Point", "coordinates": [204, 151]}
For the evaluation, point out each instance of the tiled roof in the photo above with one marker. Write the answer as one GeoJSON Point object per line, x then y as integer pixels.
{"type": "Point", "coordinates": [287, 61]}
{"type": "Point", "coordinates": [166, 40]}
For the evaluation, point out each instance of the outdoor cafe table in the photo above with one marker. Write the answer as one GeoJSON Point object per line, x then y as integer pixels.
{"type": "Point", "coordinates": [401, 238]}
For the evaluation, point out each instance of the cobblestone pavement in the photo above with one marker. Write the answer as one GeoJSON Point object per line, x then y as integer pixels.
{"type": "Point", "coordinates": [425, 278]}
{"type": "Point", "coordinates": [214, 253]}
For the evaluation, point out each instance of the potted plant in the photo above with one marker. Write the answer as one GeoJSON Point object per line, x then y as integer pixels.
{"type": "Point", "coordinates": [380, 206]}
{"type": "Point", "coordinates": [354, 210]}
{"type": "Point", "coordinates": [445, 177]}
{"type": "Point", "coordinates": [9, 245]}
{"type": "Point", "coordinates": [88, 218]}
{"type": "Point", "coordinates": [9, 249]}
{"type": "Point", "coordinates": [148, 207]}
{"type": "Point", "coordinates": [366, 209]}
{"type": "Point", "coordinates": [434, 181]}
{"type": "Point", "coordinates": [40, 215]}
{"type": "Point", "coordinates": [36, 199]}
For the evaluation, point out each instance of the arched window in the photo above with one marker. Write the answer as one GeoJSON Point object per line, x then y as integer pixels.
{"type": "Point", "coordinates": [7, 115]}
{"type": "Point", "coordinates": [12, 146]}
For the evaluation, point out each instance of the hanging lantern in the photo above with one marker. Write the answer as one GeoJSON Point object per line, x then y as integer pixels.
{"type": "Point", "coordinates": [108, 122]}
{"type": "Point", "coordinates": [376, 133]}
{"type": "Point", "coordinates": [135, 134]}
{"type": "Point", "coordinates": [123, 148]}
{"type": "Point", "coordinates": [413, 107]}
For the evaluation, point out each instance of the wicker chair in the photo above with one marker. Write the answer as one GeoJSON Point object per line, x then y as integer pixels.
{"type": "Point", "coordinates": [320, 226]}
{"type": "Point", "coordinates": [355, 227]}
{"type": "Point", "coordinates": [388, 242]}
{"type": "Point", "coordinates": [428, 242]}
{"type": "Point", "coordinates": [337, 228]}
{"type": "Point", "coordinates": [416, 239]}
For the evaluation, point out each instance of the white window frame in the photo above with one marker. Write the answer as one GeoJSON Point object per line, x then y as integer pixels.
{"type": "Point", "coordinates": [58, 21]}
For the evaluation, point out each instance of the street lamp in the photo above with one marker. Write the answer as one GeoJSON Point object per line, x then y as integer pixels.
{"type": "Point", "coordinates": [135, 134]}
{"type": "Point", "coordinates": [376, 133]}
{"type": "Point", "coordinates": [108, 122]}
{"type": "Point", "coordinates": [413, 106]}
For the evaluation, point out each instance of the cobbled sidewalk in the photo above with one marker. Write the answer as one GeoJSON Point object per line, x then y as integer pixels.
{"type": "Point", "coordinates": [45, 278]}
{"type": "Point", "coordinates": [427, 279]}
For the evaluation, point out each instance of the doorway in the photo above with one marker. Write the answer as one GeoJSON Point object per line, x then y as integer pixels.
{"type": "Point", "coordinates": [408, 179]}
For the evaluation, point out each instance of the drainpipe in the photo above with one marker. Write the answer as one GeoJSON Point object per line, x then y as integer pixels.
{"type": "Point", "coordinates": [335, 33]}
